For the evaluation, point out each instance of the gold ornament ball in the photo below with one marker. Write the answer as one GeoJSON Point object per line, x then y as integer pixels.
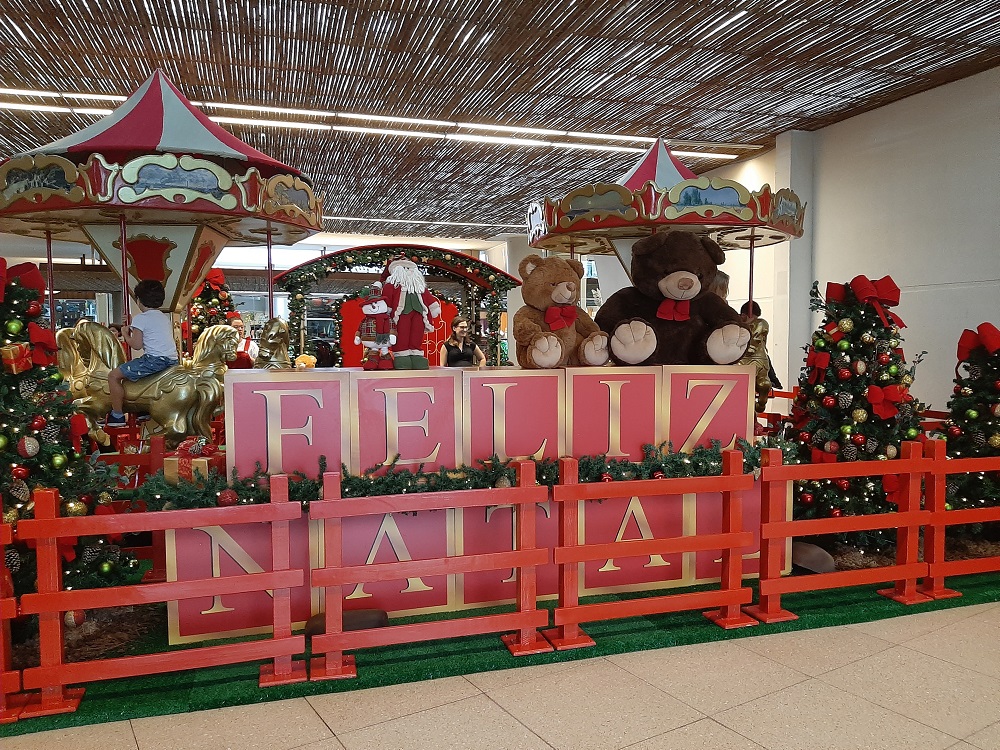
{"type": "Point", "coordinates": [907, 379]}
{"type": "Point", "coordinates": [894, 343]}
{"type": "Point", "coordinates": [10, 516]}
{"type": "Point", "coordinates": [298, 296]}
{"type": "Point", "coordinates": [859, 415]}
{"type": "Point", "coordinates": [859, 367]}
{"type": "Point", "coordinates": [966, 391]}
{"type": "Point", "coordinates": [994, 441]}
{"type": "Point", "coordinates": [890, 451]}
{"type": "Point", "coordinates": [74, 508]}
{"type": "Point", "coordinates": [812, 405]}
{"type": "Point", "coordinates": [503, 482]}
{"type": "Point", "coordinates": [820, 389]}
{"type": "Point", "coordinates": [104, 498]}
{"type": "Point", "coordinates": [867, 338]}
{"type": "Point", "coordinates": [846, 325]}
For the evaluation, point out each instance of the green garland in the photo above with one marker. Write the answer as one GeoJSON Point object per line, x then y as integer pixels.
{"type": "Point", "coordinates": [478, 276]}
{"type": "Point", "coordinates": [658, 460]}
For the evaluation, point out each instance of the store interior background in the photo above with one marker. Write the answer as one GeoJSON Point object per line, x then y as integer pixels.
{"type": "Point", "coordinates": [909, 189]}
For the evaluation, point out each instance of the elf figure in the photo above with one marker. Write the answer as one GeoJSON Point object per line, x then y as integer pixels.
{"type": "Point", "coordinates": [412, 307]}
{"type": "Point", "coordinates": [375, 331]}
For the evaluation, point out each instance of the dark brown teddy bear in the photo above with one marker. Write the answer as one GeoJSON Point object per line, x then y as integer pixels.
{"type": "Point", "coordinates": [669, 317]}
{"type": "Point", "coordinates": [550, 330]}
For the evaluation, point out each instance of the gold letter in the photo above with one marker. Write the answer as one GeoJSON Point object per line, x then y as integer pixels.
{"type": "Point", "coordinates": [274, 430]}
{"type": "Point", "coordinates": [393, 425]}
{"type": "Point", "coordinates": [725, 388]}
{"type": "Point", "coordinates": [499, 391]}
{"type": "Point", "coordinates": [614, 417]}
{"type": "Point", "coordinates": [222, 540]}
{"type": "Point", "coordinates": [390, 531]}
{"type": "Point", "coordinates": [490, 509]}
{"type": "Point", "coordinates": [635, 511]}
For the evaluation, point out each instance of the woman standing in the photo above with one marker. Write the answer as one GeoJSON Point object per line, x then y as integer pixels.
{"type": "Point", "coordinates": [460, 350]}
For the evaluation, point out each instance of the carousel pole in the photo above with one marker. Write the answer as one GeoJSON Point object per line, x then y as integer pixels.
{"type": "Point", "coordinates": [50, 280]}
{"type": "Point", "coordinates": [126, 313]}
{"type": "Point", "coordinates": [270, 275]}
{"type": "Point", "coordinates": [752, 243]}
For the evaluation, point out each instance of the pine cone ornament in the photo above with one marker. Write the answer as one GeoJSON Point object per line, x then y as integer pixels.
{"type": "Point", "coordinates": [90, 554]}
{"type": "Point", "coordinates": [842, 361]}
{"type": "Point", "coordinates": [975, 372]}
{"type": "Point", "coordinates": [871, 445]}
{"type": "Point", "coordinates": [12, 560]}
{"type": "Point", "coordinates": [51, 432]}
{"type": "Point", "coordinates": [950, 488]}
{"type": "Point", "coordinates": [979, 439]}
{"type": "Point", "coordinates": [27, 387]}
{"type": "Point", "coordinates": [114, 551]}
{"type": "Point", "coordinates": [849, 452]}
{"type": "Point", "coordinates": [905, 411]}
{"type": "Point", "coordinates": [844, 400]}
{"type": "Point", "coordinates": [19, 489]}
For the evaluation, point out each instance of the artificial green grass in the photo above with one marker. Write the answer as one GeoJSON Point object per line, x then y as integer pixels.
{"type": "Point", "coordinates": [217, 687]}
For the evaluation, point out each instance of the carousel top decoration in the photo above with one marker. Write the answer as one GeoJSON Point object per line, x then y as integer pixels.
{"type": "Point", "coordinates": [162, 178]}
{"type": "Point", "coordinates": [657, 195]}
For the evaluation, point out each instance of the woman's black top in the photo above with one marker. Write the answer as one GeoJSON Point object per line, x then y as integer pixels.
{"type": "Point", "coordinates": [461, 357]}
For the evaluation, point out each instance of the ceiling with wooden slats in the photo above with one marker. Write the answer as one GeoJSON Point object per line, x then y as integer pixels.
{"type": "Point", "coordinates": [729, 75]}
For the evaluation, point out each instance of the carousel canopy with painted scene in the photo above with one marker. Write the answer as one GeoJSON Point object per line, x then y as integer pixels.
{"type": "Point", "coordinates": [182, 186]}
{"type": "Point", "coordinates": [660, 194]}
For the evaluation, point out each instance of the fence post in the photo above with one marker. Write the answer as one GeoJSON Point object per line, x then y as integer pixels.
{"type": "Point", "coordinates": [775, 497]}
{"type": "Point", "coordinates": [526, 640]}
{"type": "Point", "coordinates": [333, 665]}
{"type": "Point", "coordinates": [907, 537]}
{"type": "Point", "coordinates": [282, 670]}
{"type": "Point", "coordinates": [565, 637]}
{"type": "Point", "coordinates": [55, 699]}
{"type": "Point", "coordinates": [730, 616]}
{"type": "Point", "coordinates": [10, 680]}
{"type": "Point", "coordinates": [934, 532]}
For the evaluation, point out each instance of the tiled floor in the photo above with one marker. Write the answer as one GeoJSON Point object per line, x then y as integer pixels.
{"type": "Point", "coordinates": [925, 681]}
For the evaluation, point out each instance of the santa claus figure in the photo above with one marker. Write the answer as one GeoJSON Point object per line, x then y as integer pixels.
{"type": "Point", "coordinates": [412, 308]}
{"type": "Point", "coordinates": [247, 350]}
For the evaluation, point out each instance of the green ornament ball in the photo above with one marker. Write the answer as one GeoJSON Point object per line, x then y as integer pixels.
{"type": "Point", "coordinates": [56, 377]}
{"type": "Point", "coordinates": [819, 344]}
{"type": "Point", "coordinates": [843, 345]}
{"type": "Point", "coordinates": [106, 567]}
{"type": "Point", "coordinates": [846, 429]}
{"type": "Point", "coordinates": [893, 370]}
{"type": "Point", "coordinates": [14, 327]}
{"type": "Point", "coordinates": [58, 461]}
{"type": "Point", "coordinates": [912, 433]}
{"type": "Point", "coordinates": [972, 414]}
{"type": "Point", "coordinates": [3, 442]}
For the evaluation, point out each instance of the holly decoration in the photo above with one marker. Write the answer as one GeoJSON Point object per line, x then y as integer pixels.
{"type": "Point", "coordinates": [854, 399]}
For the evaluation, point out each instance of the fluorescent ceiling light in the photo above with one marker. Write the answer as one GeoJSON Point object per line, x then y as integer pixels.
{"type": "Point", "coordinates": [271, 123]}
{"type": "Point", "coordinates": [597, 147]}
{"type": "Point", "coordinates": [385, 131]}
{"type": "Point", "coordinates": [269, 110]}
{"type": "Point", "coordinates": [497, 139]}
{"type": "Point", "coordinates": [703, 154]}
{"type": "Point", "coordinates": [610, 137]}
{"type": "Point", "coordinates": [509, 129]}
{"type": "Point", "coordinates": [400, 120]}
{"type": "Point", "coordinates": [419, 221]}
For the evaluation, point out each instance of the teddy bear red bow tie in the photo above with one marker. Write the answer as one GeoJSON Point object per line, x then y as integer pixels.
{"type": "Point", "coordinates": [560, 316]}
{"type": "Point", "coordinates": [674, 309]}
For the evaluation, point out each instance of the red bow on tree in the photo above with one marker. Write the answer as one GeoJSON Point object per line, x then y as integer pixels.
{"type": "Point", "coordinates": [66, 546]}
{"type": "Point", "coordinates": [890, 483]}
{"type": "Point", "coordinates": [986, 336]}
{"type": "Point", "coordinates": [560, 316]}
{"type": "Point", "coordinates": [108, 510]}
{"type": "Point", "coordinates": [25, 274]}
{"type": "Point", "coordinates": [78, 427]}
{"type": "Point", "coordinates": [884, 400]}
{"type": "Point", "coordinates": [822, 457]}
{"type": "Point", "coordinates": [880, 294]}
{"type": "Point", "coordinates": [43, 343]}
{"type": "Point", "coordinates": [215, 279]}
{"type": "Point", "coordinates": [817, 362]}
{"type": "Point", "coordinates": [674, 309]}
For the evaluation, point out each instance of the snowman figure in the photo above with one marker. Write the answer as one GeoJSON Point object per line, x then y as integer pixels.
{"type": "Point", "coordinates": [375, 332]}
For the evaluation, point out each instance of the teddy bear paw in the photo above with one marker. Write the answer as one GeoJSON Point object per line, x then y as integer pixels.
{"type": "Point", "coordinates": [633, 342]}
{"type": "Point", "coordinates": [728, 344]}
{"type": "Point", "coordinates": [546, 351]}
{"type": "Point", "coordinates": [595, 350]}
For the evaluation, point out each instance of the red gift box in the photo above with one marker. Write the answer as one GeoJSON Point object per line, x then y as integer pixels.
{"type": "Point", "coordinates": [16, 358]}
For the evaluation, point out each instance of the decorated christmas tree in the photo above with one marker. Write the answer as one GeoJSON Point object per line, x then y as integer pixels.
{"type": "Point", "coordinates": [853, 401]}
{"type": "Point", "coordinates": [210, 305]}
{"type": "Point", "coordinates": [42, 438]}
{"type": "Point", "coordinates": [973, 428]}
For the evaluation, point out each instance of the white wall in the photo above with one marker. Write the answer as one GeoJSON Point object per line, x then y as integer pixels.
{"type": "Point", "coordinates": [911, 190]}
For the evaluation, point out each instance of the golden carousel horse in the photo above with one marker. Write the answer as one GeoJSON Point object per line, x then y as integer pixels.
{"type": "Point", "coordinates": [182, 399]}
{"type": "Point", "coordinates": [272, 351]}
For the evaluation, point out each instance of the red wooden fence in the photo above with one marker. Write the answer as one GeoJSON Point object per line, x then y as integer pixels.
{"type": "Point", "coordinates": [776, 529]}
{"type": "Point", "coordinates": [331, 663]}
{"type": "Point", "coordinates": [570, 553]}
{"type": "Point", "coordinates": [10, 680]}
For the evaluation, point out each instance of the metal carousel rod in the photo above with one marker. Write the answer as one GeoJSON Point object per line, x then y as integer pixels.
{"type": "Point", "coordinates": [50, 280]}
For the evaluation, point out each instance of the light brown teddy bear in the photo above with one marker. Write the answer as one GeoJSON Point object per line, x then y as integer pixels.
{"type": "Point", "coordinates": [550, 330]}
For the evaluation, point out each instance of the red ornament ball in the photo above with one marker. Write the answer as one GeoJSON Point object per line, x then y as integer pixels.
{"type": "Point", "coordinates": [228, 497]}
{"type": "Point", "coordinates": [20, 472]}
{"type": "Point", "coordinates": [843, 485]}
{"type": "Point", "coordinates": [836, 512]}
{"type": "Point", "coordinates": [843, 374]}
{"type": "Point", "coordinates": [658, 474]}
{"type": "Point", "coordinates": [858, 439]}
{"type": "Point", "coordinates": [955, 431]}
{"type": "Point", "coordinates": [213, 311]}
{"type": "Point", "coordinates": [34, 309]}
{"type": "Point", "coordinates": [958, 389]}
{"type": "Point", "coordinates": [74, 618]}
{"type": "Point", "coordinates": [87, 499]}
{"type": "Point", "coordinates": [605, 477]}
{"type": "Point", "coordinates": [38, 423]}
{"type": "Point", "coordinates": [884, 358]}
{"type": "Point", "coordinates": [829, 402]}
{"type": "Point", "coordinates": [831, 446]}
{"type": "Point", "coordinates": [996, 386]}
{"type": "Point", "coordinates": [804, 437]}
{"type": "Point", "coordinates": [27, 447]}
{"type": "Point", "coordinates": [806, 498]}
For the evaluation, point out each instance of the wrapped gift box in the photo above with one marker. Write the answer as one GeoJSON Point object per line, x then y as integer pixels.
{"type": "Point", "coordinates": [174, 467]}
{"type": "Point", "coordinates": [16, 358]}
